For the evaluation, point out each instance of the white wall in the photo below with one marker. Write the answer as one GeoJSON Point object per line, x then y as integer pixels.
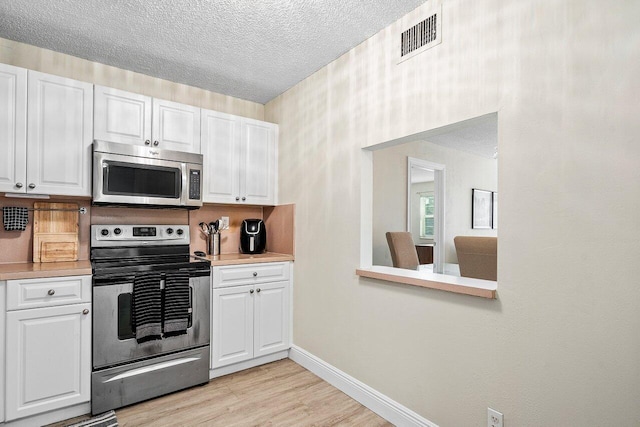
{"type": "Point", "coordinates": [463, 171]}
{"type": "Point", "coordinates": [560, 345]}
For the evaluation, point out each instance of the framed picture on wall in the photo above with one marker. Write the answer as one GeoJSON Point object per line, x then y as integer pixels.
{"type": "Point", "coordinates": [481, 208]}
{"type": "Point", "coordinates": [494, 216]}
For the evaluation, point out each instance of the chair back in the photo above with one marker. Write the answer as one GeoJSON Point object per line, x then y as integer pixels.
{"type": "Point", "coordinates": [477, 256]}
{"type": "Point", "coordinates": [403, 250]}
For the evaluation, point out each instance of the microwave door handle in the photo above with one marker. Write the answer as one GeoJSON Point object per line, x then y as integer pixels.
{"type": "Point", "coordinates": [184, 185]}
{"type": "Point", "coordinates": [105, 176]}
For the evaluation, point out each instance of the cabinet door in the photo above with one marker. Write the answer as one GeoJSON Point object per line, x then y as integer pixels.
{"type": "Point", "coordinates": [3, 307]}
{"type": "Point", "coordinates": [60, 129]}
{"type": "Point", "coordinates": [271, 322]}
{"type": "Point", "coordinates": [13, 129]}
{"type": "Point", "coordinates": [176, 126]}
{"type": "Point", "coordinates": [122, 116]}
{"type": "Point", "coordinates": [49, 365]}
{"type": "Point", "coordinates": [258, 162]}
{"type": "Point", "coordinates": [231, 325]}
{"type": "Point", "coordinates": [220, 143]}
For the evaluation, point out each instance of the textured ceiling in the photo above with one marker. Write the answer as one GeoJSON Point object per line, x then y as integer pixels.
{"type": "Point", "coordinates": [248, 49]}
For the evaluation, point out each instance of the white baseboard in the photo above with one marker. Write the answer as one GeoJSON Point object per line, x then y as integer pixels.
{"type": "Point", "coordinates": [251, 363]}
{"type": "Point", "coordinates": [387, 408]}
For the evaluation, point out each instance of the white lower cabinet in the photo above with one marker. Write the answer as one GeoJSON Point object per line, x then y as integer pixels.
{"type": "Point", "coordinates": [49, 364]}
{"type": "Point", "coordinates": [248, 320]}
{"type": "Point", "coordinates": [3, 306]}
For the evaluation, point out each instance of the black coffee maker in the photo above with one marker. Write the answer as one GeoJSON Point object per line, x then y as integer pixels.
{"type": "Point", "coordinates": [253, 236]}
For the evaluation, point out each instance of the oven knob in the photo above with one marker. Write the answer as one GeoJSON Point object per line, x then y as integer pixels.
{"type": "Point", "coordinates": [179, 231]}
{"type": "Point", "coordinates": [169, 231]}
{"type": "Point", "coordinates": [104, 232]}
{"type": "Point", "coordinates": [117, 231]}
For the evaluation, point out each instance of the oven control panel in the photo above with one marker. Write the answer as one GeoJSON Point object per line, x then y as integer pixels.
{"type": "Point", "coordinates": [119, 235]}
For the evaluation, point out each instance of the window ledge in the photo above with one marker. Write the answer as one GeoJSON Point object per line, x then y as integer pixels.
{"type": "Point", "coordinates": [459, 285]}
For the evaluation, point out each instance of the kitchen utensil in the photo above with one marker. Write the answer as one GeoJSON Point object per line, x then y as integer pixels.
{"type": "Point", "coordinates": [204, 227]}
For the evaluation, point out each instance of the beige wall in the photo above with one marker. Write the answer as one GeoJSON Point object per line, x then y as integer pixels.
{"type": "Point", "coordinates": [560, 345]}
{"type": "Point", "coordinates": [463, 171]}
{"type": "Point", "coordinates": [48, 61]}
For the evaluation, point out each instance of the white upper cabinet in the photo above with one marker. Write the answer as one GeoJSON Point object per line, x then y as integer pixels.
{"type": "Point", "coordinates": [131, 118]}
{"type": "Point", "coordinates": [176, 126]}
{"type": "Point", "coordinates": [13, 128]}
{"type": "Point", "coordinates": [46, 128]}
{"type": "Point", "coordinates": [121, 116]}
{"type": "Point", "coordinates": [240, 157]}
{"type": "Point", "coordinates": [59, 135]}
{"type": "Point", "coordinates": [258, 162]}
{"type": "Point", "coordinates": [220, 149]}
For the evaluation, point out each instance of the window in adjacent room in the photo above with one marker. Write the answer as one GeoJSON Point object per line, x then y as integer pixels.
{"type": "Point", "coordinates": [427, 207]}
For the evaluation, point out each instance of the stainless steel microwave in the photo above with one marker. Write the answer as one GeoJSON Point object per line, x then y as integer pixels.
{"type": "Point", "coordinates": [135, 175]}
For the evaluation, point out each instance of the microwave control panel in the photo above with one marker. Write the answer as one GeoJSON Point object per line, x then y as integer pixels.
{"type": "Point", "coordinates": [194, 184]}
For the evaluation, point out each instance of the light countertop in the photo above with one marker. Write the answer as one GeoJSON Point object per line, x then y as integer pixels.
{"type": "Point", "coordinates": [33, 270]}
{"type": "Point", "coordinates": [235, 259]}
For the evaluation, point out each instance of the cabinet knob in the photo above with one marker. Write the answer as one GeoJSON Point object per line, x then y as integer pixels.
{"type": "Point", "coordinates": [244, 198]}
{"type": "Point", "coordinates": [155, 143]}
{"type": "Point", "coordinates": [237, 199]}
{"type": "Point", "coordinates": [85, 311]}
{"type": "Point", "coordinates": [51, 292]}
{"type": "Point", "coordinates": [18, 185]}
{"type": "Point", "coordinates": [32, 186]}
{"type": "Point", "coordinates": [258, 290]}
{"type": "Point", "coordinates": [255, 274]}
{"type": "Point", "coordinates": [147, 142]}
{"type": "Point", "coordinates": [251, 291]}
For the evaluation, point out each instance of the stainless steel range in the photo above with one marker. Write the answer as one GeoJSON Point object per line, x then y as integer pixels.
{"type": "Point", "coordinates": [150, 314]}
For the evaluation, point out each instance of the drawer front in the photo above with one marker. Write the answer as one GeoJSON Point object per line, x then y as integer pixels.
{"type": "Point", "coordinates": [48, 292]}
{"type": "Point", "coordinates": [249, 274]}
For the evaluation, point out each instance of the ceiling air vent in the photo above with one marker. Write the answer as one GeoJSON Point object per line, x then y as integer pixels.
{"type": "Point", "coordinates": [422, 36]}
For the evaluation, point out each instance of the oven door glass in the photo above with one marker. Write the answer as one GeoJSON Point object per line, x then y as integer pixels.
{"type": "Point", "coordinates": [129, 179]}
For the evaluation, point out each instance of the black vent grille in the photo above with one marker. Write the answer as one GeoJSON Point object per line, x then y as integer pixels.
{"type": "Point", "coordinates": [421, 34]}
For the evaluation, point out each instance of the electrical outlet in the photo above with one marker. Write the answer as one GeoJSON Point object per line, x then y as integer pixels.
{"type": "Point", "coordinates": [224, 223]}
{"type": "Point", "coordinates": [494, 418]}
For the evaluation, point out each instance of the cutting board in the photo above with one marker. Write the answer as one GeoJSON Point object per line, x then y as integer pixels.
{"type": "Point", "coordinates": [55, 232]}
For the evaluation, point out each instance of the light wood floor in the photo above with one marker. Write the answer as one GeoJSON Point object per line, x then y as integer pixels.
{"type": "Point", "coordinates": [278, 394]}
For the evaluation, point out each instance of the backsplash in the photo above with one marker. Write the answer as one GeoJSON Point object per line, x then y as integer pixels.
{"type": "Point", "coordinates": [17, 246]}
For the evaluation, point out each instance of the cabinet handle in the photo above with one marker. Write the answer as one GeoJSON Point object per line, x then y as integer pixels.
{"type": "Point", "coordinates": [255, 274]}
{"type": "Point", "coordinates": [258, 290]}
{"type": "Point", "coordinates": [18, 185]}
{"type": "Point", "coordinates": [147, 142]}
{"type": "Point", "coordinates": [237, 199]}
{"type": "Point", "coordinates": [155, 143]}
{"type": "Point", "coordinates": [244, 198]}
{"type": "Point", "coordinates": [51, 292]}
{"type": "Point", "coordinates": [32, 186]}
{"type": "Point", "coordinates": [85, 311]}
{"type": "Point", "coordinates": [251, 291]}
